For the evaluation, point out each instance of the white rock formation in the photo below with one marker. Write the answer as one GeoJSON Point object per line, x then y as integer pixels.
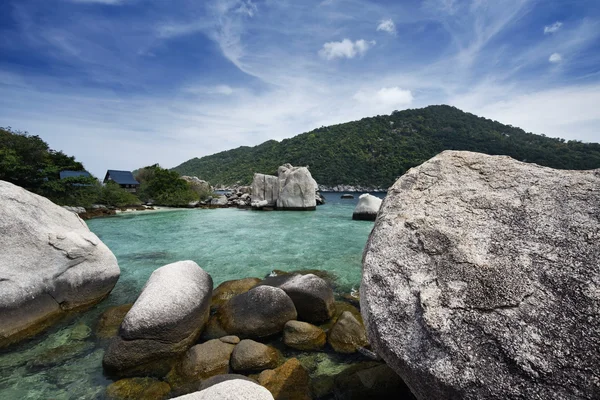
{"type": "Point", "coordinates": [367, 207]}
{"type": "Point", "coordinates": [50, 262]}
{"type": "Point", "coordinates": [234, 389]}
{"type": "Point", "coordinates": [296, 188]}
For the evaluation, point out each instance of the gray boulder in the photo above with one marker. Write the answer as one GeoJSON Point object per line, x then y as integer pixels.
{"type": "Point", "coordinates": [265, 188]}
{"type": "Point", "coordinates": [232, 389]}
{"type": "Point", "coordinates": [303, 336]}
{"type": "Point", "coordinates": [219, 201]}
{"type": "Point", "coordinates": [348, 334]}
{"type": "Point", "coordinates": [296, 188]}
{"type": "Point", "coordinates": [261, 311]}
{"type": "Point", "coordinates": [207, 359]}
{"type": "Point", "coordinates": [165, 320]}
{"type": "Point", "coordinates": [249, 355]}
{"type": "Point", "coordinates": [481, 280]}
{"type": "Point", "coordinates": [367, 207]}
{"type": "Point", "coordinates": [50, 263]}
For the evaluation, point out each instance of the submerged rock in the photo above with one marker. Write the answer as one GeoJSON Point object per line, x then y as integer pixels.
{"type": "Point", "coordinates": [249, 355]}
{"type": "Point", "coordinates": [367, 207]}
{"type": "Point", "coordinates": [347, 334]}
{"type": "Point", "coordinates": [289, 381]}
{"type": "Point", "coordinates": [165, 320]}
{"type": "Point", "coordinates": [481, 280]}
{"type": "Point", "coordinates": [50, 263]}
{"type": "Point", "coordinates": [372, 382]}
{"type": "Point", "coordinates": [260, 312]}
{"type": "Point", "coordinates": [228, 289]}
{"type": "Point", "coordinates": [138, 389]}
{"type": "Point", "coordinates": [303, 336]}
{"type": "Point", "coordinates": [110, 320]}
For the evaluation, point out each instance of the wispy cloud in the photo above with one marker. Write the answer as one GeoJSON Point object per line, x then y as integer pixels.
{"type": "Point", "coordinates": [387, 25]}
{"type": "Point", "coordinates": [555, 58]}
{"type": "Point", "coordinates": [108, 2]}
{"type": "Point", "coordinates": [555, 27]}
{"type": "Point", "coordinates": [384, 100]}
{"type": "Point", "coordinates": [345, 49]}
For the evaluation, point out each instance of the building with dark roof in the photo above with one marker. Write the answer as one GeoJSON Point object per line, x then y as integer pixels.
{"type": "Point", "coordinates": [124, 179]}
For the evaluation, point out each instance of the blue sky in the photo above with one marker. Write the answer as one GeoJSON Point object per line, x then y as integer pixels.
{"type": "Point", "coordinates": [125, 83]}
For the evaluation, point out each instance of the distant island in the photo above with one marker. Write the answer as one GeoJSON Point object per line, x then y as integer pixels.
{"type": "Point", "coordinates": [374, 152]}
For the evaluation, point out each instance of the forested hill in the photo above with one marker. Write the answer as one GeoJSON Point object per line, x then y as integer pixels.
{"type": "Point", "coordinates": [376, 151]}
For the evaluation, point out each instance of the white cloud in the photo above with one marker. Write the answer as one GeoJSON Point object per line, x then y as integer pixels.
{"type": "Point", "coordinates": [387, 25]}
{"type": "Point", "coordinates": [225, 90]}
{"type": "Point", "coordinates": [108, 2]}
{"type": "Point", "coordinates": [346, 48]}
{"type": "Point", "coordinates": [385, 99]}
{"type": "Point", "coordinates": [555, 58]}
{"type": "Point", "coordinates": [248, 8]}
{"type": "Point", "coordinates": [552, 28]}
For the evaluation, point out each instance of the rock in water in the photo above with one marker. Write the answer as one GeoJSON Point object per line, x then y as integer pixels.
{"type": "Point", "coordinates": [296, 189]}
{"type": "Point", "coordinates": [367, 207]}
{"type": "Point", "coordinates": [481, 280]}
{"type": "Point", "coordinates": [265, 188]}
{"type": "Point", "coordinates": [50, 263]}
{"type": "Point", "coordinates": [165, 320]}
{"type": "Point", "coordinates": [232, 389]}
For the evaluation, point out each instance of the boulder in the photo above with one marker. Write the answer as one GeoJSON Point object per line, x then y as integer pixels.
{"type": "Point", "coordinates": [481, 280]}
{"type": "Point", "coordinates": [138, 389]}
{"type": "Point", "coordinates": [207, 359]}
{"type": "Point", "coordinates": [228, 289]}
{"type": "Point", "coordinates": [260, 312]}
{"type": "Point", "coordinates": [312, 296]}
{"type": "Point", "coordinates": [347, 334]}
{"type": "Point", "coordinates": [231, 339]}
{"type": "Point", "coordinates": [50, 263]}
{"type": "Point", "coordinates": [249, 355]}
{"type": "Point", "coordinates": [232, 389]}
{"type": "Point", "coordinates": [296, 188]}
{"type": "Point", "coordinates": [214, 380]}
{"type": "Point", "coordinates": [347, 196]}
{"type": "Point", "coordinates": [265, 188]}
{"type": "Point", "coordinates": [165, 320]}
{"type": "Point", "coordinates": [289, 381]}
{"type": "Point", "coordinates": [303, 336]}
{"type": "Point", "coordinates": [220, 201]}
{"type": "Point", "coordinates": [198, 185]}
{"type": "Point", "coordinates": [367, 207]}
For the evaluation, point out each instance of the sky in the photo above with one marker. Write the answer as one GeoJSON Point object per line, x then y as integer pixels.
{"type": "Point", "coordinates": [122, 84]}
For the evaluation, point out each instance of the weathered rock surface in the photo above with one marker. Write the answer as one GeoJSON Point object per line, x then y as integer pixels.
{"type": "Point", "coordinates": [249, 355]}
{"type": "Point", "coordinates": [260, 312]}
{"type": "Point", "coordinates": [233, 389]}
{"type": "Point", "coordinates": [289, 381]}
{"type": "Point", "coordinates": [481, 280]}
{"type": "Point", "coordinates": [207, 359]}
{"type": "Point", "coordinates": [367, 207]}
{"type": "Point", "coordinates": [376, 382]}
{"type": "Point", "coordinates": [296, 188]}
{"type": "Point", "coordinates": [303, 336]}
{"type": "Point", "coordinates": [265, 188]}
{"type": "Point", "coordinates": [312, 296]}
{"type": "Point", "coordinates": [228, 289]}
{"type": "Point", "coordinates": [220, 201]}
{"type": "Point", "coordinates": [214, 380]}
{"type": "Point", "coordinates": [164, 321]}
{"type": "Point", "coordinates": [347, 334]}
{"type": "Point", "coordinates": [50, 263]}
{"type": "Point", "coordinates": [138, 389]}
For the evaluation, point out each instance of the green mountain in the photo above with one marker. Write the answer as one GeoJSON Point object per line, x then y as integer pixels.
{"type": "Point", "coordinates": [376, 151]}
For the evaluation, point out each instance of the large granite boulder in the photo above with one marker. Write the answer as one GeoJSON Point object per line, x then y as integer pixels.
{"type": "Point", "coordinates": [232, 389]}
{"type": "Point", "coordinates": [312, 295]}
{"type": "Point", "coordinates": [296, 188]}
{"type": "Point", "coordinates": [265, 188]}
{"type": "Point", "coordinates": [367, 207]}
{"type": "Point", "coordinates": [481, 280]}
{"type": "Point", "coordinates": [165, 320]}
{"type": "Point", "coordinates": [260, 312]}
{"type": "Point", "coordinates": [50, 263]}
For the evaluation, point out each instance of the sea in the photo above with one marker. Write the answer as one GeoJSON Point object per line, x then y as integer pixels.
{"type": "Point", "coordinates": [65, 362]}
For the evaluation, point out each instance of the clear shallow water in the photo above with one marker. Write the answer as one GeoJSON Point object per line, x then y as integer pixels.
{"type": "Point", "coordinates": [227, 243]}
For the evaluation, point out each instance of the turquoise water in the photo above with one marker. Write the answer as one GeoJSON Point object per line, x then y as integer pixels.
{"type": "Point", "coordinates": [227, 243]}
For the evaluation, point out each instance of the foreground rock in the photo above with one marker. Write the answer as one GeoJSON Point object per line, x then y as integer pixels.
{"type": "Point", "coordinates": [367, 207]}
{"type": "Point", "coordinates": [249, 355]}
{"type": "Point", "coordinates": [138, 389]}
{"type": "Point", "coordinates": [260, 312]}
{"type": "Point", "coordinates": [347, 334]}
{"type": "Point", "coordinates": [207, 359]}
{"type": "Point", "coordinates": [50, 263]}
{"type": "Point", "coordinates": [228, 289]}
{"type": "Point", "coordinates": [303, 336]}
{"type": "Point", "coordinates": [481, 280]}
{"type": "Point", "coordinates": [165, 320]}
{"type": "Point", "coordinates": [289, 381]}
{"type": "Point", "coordinates": [233, 389]}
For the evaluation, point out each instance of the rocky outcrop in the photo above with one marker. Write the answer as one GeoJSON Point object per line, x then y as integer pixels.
{"type": "Point", "coordinates": [367, 207]}
{"type": "Point", "coordinates": [481, 280]}
{"type": "Point", "coordinates": [198, 185]}
{"type": "Point", "coordinates": [265, 188]}
{"type": "Point", "coordinates": [50, 263]}
{"type": "Point", "coordinates": [165, 320]}
{"type": "Point", "coordinates": [220, 201]}
{"type": "Point", "coordinates": [232, 389]}
{"type": "Point", "coordinates": [312, 296]}
{"type": "Point", "coordinates": [296, 188]}
{"type": "Point", "coordinates": [260, 312]}
{"type": "Point", "coordinates": [303, 336]}
{"type": "Point", "coordinates": [249, 355]}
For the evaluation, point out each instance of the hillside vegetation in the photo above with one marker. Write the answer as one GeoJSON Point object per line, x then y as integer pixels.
{"type": "Point", "coordinates": [376, 151]}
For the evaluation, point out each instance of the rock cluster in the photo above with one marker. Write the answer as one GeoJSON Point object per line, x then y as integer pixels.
{"type": "Point", "coordinates": [481, 280]}
{"type": "Point", "coordinates": [292, 189]}
{"type": "Point", "coordinates": [50, 263]}
{"type": "Point", "coordinates": [350, 188]}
